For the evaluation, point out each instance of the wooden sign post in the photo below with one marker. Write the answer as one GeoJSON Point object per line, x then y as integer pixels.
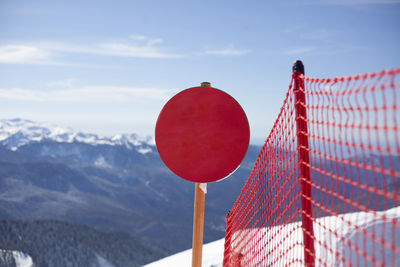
{"type": "Point", "coordinates": [202, 134]}
{"type": "Point", "coordinates": [198, 225]}
{"type": "Point", "coordinates": [198, 218]}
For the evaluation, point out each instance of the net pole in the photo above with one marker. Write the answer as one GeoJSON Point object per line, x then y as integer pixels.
{"type": "Point", "coordinates": [304, 163]}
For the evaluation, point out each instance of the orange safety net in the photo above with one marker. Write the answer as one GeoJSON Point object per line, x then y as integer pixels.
{"type": "Point", "coordinates": [324, 190]}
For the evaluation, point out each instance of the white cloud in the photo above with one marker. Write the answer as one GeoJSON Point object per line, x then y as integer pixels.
{"type": "Point", "coordinates": [127, 50]}
{"type": "Point", "coordinates": [33, 54]}
{"type": "Point", "coordinates": [137, 37]}
{"type": "Point", "coordinates": [229, 51]}
{"type": "Point", "coordinates": [62, 83]}
{"type": "Point", "coordinates": [332, 49]}
{"type": "Point", "coordinates": [147, 49]}
{"type": "Point", "coordinates": [87, 94]}
{"type": "Point", "coordinates": [148, 40]}
{"type": "Point", "coordinates": [23, 54]}
{"type": "Point", "coordinates": [136, 46]}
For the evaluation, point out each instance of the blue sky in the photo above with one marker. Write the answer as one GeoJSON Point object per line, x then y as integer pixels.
{"type": "Point", "coordinates": [108, 67]}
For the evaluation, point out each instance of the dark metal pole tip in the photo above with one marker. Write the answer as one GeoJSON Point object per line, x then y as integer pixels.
{"type": "Point", "coordinates": [298, 66]}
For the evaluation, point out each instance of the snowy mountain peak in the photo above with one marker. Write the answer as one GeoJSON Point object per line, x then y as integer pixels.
{"type": "Point", "coordinates": [15, 133]}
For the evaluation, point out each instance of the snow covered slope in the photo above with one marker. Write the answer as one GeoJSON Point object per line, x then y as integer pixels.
{"type": "Point", "coordinates": [18, 132]}
{"type": "Point", "coordinates": [213, 252]}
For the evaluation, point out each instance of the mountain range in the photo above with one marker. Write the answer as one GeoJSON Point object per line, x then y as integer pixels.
{"type": "Point", "coordinates": [55, 178]}
{"type": "Point", "coordinates": [107, 183]}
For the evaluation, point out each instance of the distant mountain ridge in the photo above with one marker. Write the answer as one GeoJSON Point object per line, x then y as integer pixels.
{"type": "Point", "coordinates": [15, 133]}
{"type": "Point", "coordinates": [113, 184]}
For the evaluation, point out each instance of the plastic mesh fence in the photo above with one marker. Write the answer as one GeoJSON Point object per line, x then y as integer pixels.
{"type": "Point", "coordinates": [324, 190]}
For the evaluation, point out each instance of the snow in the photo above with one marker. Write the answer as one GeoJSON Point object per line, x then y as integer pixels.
{"type": "Point", "coordinates": [24, 260]}
{"type": "Point", "coordinates": [103, 262]}
{"type": "Point", "coordinates": [335, 245]}
{"type": "Point", "coordinates": [212, 257]}
{"type": "Point", "coordinates": [203, 187]}
{"type": "Point", "coordinates": [21, 259]}
{"type": "Point", "coordinates": [144, 150]}
{"type": "Point", "coordinates": [19, 132]}
{"type": "Point", "coordinates": [101, 162]}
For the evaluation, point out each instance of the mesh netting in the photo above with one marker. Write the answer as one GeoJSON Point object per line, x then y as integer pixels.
{"type": "Point", "coordinates": [324, 190]}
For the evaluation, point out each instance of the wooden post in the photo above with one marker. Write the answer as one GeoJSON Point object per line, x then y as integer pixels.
{"type": "Point", "coordinates": [198, 219]}
{"type": "Point", "coordinates": [198, 226]}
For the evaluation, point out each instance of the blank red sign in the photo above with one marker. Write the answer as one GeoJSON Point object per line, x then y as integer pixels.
{"type": "Point", "coordinates": [202, 134]}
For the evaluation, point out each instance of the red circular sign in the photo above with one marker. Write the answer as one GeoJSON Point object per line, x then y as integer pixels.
{"type": "Point", "coordinates": [202, 134]}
